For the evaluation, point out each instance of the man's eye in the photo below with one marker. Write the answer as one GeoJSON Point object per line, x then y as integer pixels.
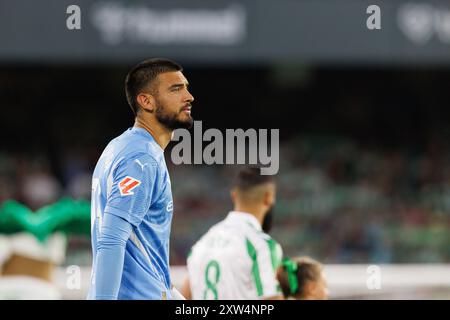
{"type": "Point", "coordinates": [176, 89]}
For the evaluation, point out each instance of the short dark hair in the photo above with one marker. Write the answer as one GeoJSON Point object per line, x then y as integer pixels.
{"type": "Point", "coordinates": [143, 74]}
{"type": "Point", "coordinates": [250, 177]}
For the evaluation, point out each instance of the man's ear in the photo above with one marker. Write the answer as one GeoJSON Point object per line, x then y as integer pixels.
{"type": "Point", "coordinates": [233, 195]}
{"type": "Point", "coordinates": [269, 196]}
{"type": "Point", "coordinates": [146, 101]}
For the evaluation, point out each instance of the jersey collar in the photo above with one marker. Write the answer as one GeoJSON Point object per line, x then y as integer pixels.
{"type": "Point", "coordinates": [244, 217]}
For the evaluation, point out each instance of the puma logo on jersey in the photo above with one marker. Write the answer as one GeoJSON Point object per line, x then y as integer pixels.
{"type": "Point", "coordinates": [127, 184]}
{"type": "Point", "coordinates": [140, 163]}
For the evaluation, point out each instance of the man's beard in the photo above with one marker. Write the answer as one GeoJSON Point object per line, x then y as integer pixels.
{"type": "Point", "coordinates": [268, 219]}
{"type": "Point", "coordinates": [171, 120]}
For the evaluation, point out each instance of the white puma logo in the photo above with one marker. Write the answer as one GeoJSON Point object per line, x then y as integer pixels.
{"type": "Point", "coordinates": [140, 163]}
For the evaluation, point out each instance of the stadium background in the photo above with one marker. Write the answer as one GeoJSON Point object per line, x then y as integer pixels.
{"type": "Point", "coordinates": [364, 124]}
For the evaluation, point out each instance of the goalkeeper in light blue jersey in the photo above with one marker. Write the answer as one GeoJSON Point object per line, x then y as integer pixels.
{"type": "Point", "coordinates": [131, 205]}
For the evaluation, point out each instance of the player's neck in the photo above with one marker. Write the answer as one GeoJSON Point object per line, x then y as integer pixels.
{"type": "Point", "coordinates": [254, 211]}
{"type": "Point", "coordinates": [161, 135]}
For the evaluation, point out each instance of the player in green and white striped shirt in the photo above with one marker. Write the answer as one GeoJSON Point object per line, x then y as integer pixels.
{"type": "Point", "coordinates": [236, 258]}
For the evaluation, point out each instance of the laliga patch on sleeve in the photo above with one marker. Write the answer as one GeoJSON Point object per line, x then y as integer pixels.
{"type": "Point", "coordinates": [127, 184]}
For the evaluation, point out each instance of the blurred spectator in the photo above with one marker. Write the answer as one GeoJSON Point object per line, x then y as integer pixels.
{"type": "Point", "coordinates": [40, 188]}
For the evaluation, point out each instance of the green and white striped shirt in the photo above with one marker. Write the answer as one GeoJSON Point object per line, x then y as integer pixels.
{"type": "Point", "coordinates": [235, 259]}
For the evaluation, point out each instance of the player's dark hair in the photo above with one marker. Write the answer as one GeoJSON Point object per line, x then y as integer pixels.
{"type": "Point", "coordinates": [307, 270]}
{"type": "Point", "coordinates": [251, 177]}
{"type": "Point", "coordinates": [143, 75]}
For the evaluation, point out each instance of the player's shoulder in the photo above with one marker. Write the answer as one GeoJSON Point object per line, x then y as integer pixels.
{"type": "Point", "coordinates": [139, 157]}
{"type": "Point", "coordinates": [130, 149]}
{"type": "Point", "coordinates": [244, 230]}
{"type": "Point", "coordinates": [134, 143]}
{"type": "Point", "coordinates": [265, 247]}
{"type": "Point", "coordinates": [259, 237]}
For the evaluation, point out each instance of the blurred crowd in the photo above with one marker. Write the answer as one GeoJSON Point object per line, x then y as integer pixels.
{"type": "Point", "coordinates": [35, 180]}
{"type": "Point", "coordinates": [338, 201]}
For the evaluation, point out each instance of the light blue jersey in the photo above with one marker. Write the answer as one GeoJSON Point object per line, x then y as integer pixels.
{"type": "Point", "coordinates": [131, 182]}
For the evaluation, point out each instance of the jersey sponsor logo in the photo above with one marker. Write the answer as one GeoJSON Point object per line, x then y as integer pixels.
{"type": "Point", "coordinates": [127, 184]}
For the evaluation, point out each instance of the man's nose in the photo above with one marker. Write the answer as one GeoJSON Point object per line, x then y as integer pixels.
{"type": "Point", "coordinates": [189, 97]}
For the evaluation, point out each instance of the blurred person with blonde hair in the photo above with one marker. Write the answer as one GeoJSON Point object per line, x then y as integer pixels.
{"type": "Point", "coordinates": [302, 278]}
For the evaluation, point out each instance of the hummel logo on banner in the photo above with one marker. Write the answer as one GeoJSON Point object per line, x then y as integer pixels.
{"type": "Point", "coordinates": [127, 184]}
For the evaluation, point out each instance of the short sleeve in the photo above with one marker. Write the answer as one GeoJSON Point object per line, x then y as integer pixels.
{"type": "Point", "coordinates": [264, 255]}
{"type": "Point", "coordinates": [134, 182]}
